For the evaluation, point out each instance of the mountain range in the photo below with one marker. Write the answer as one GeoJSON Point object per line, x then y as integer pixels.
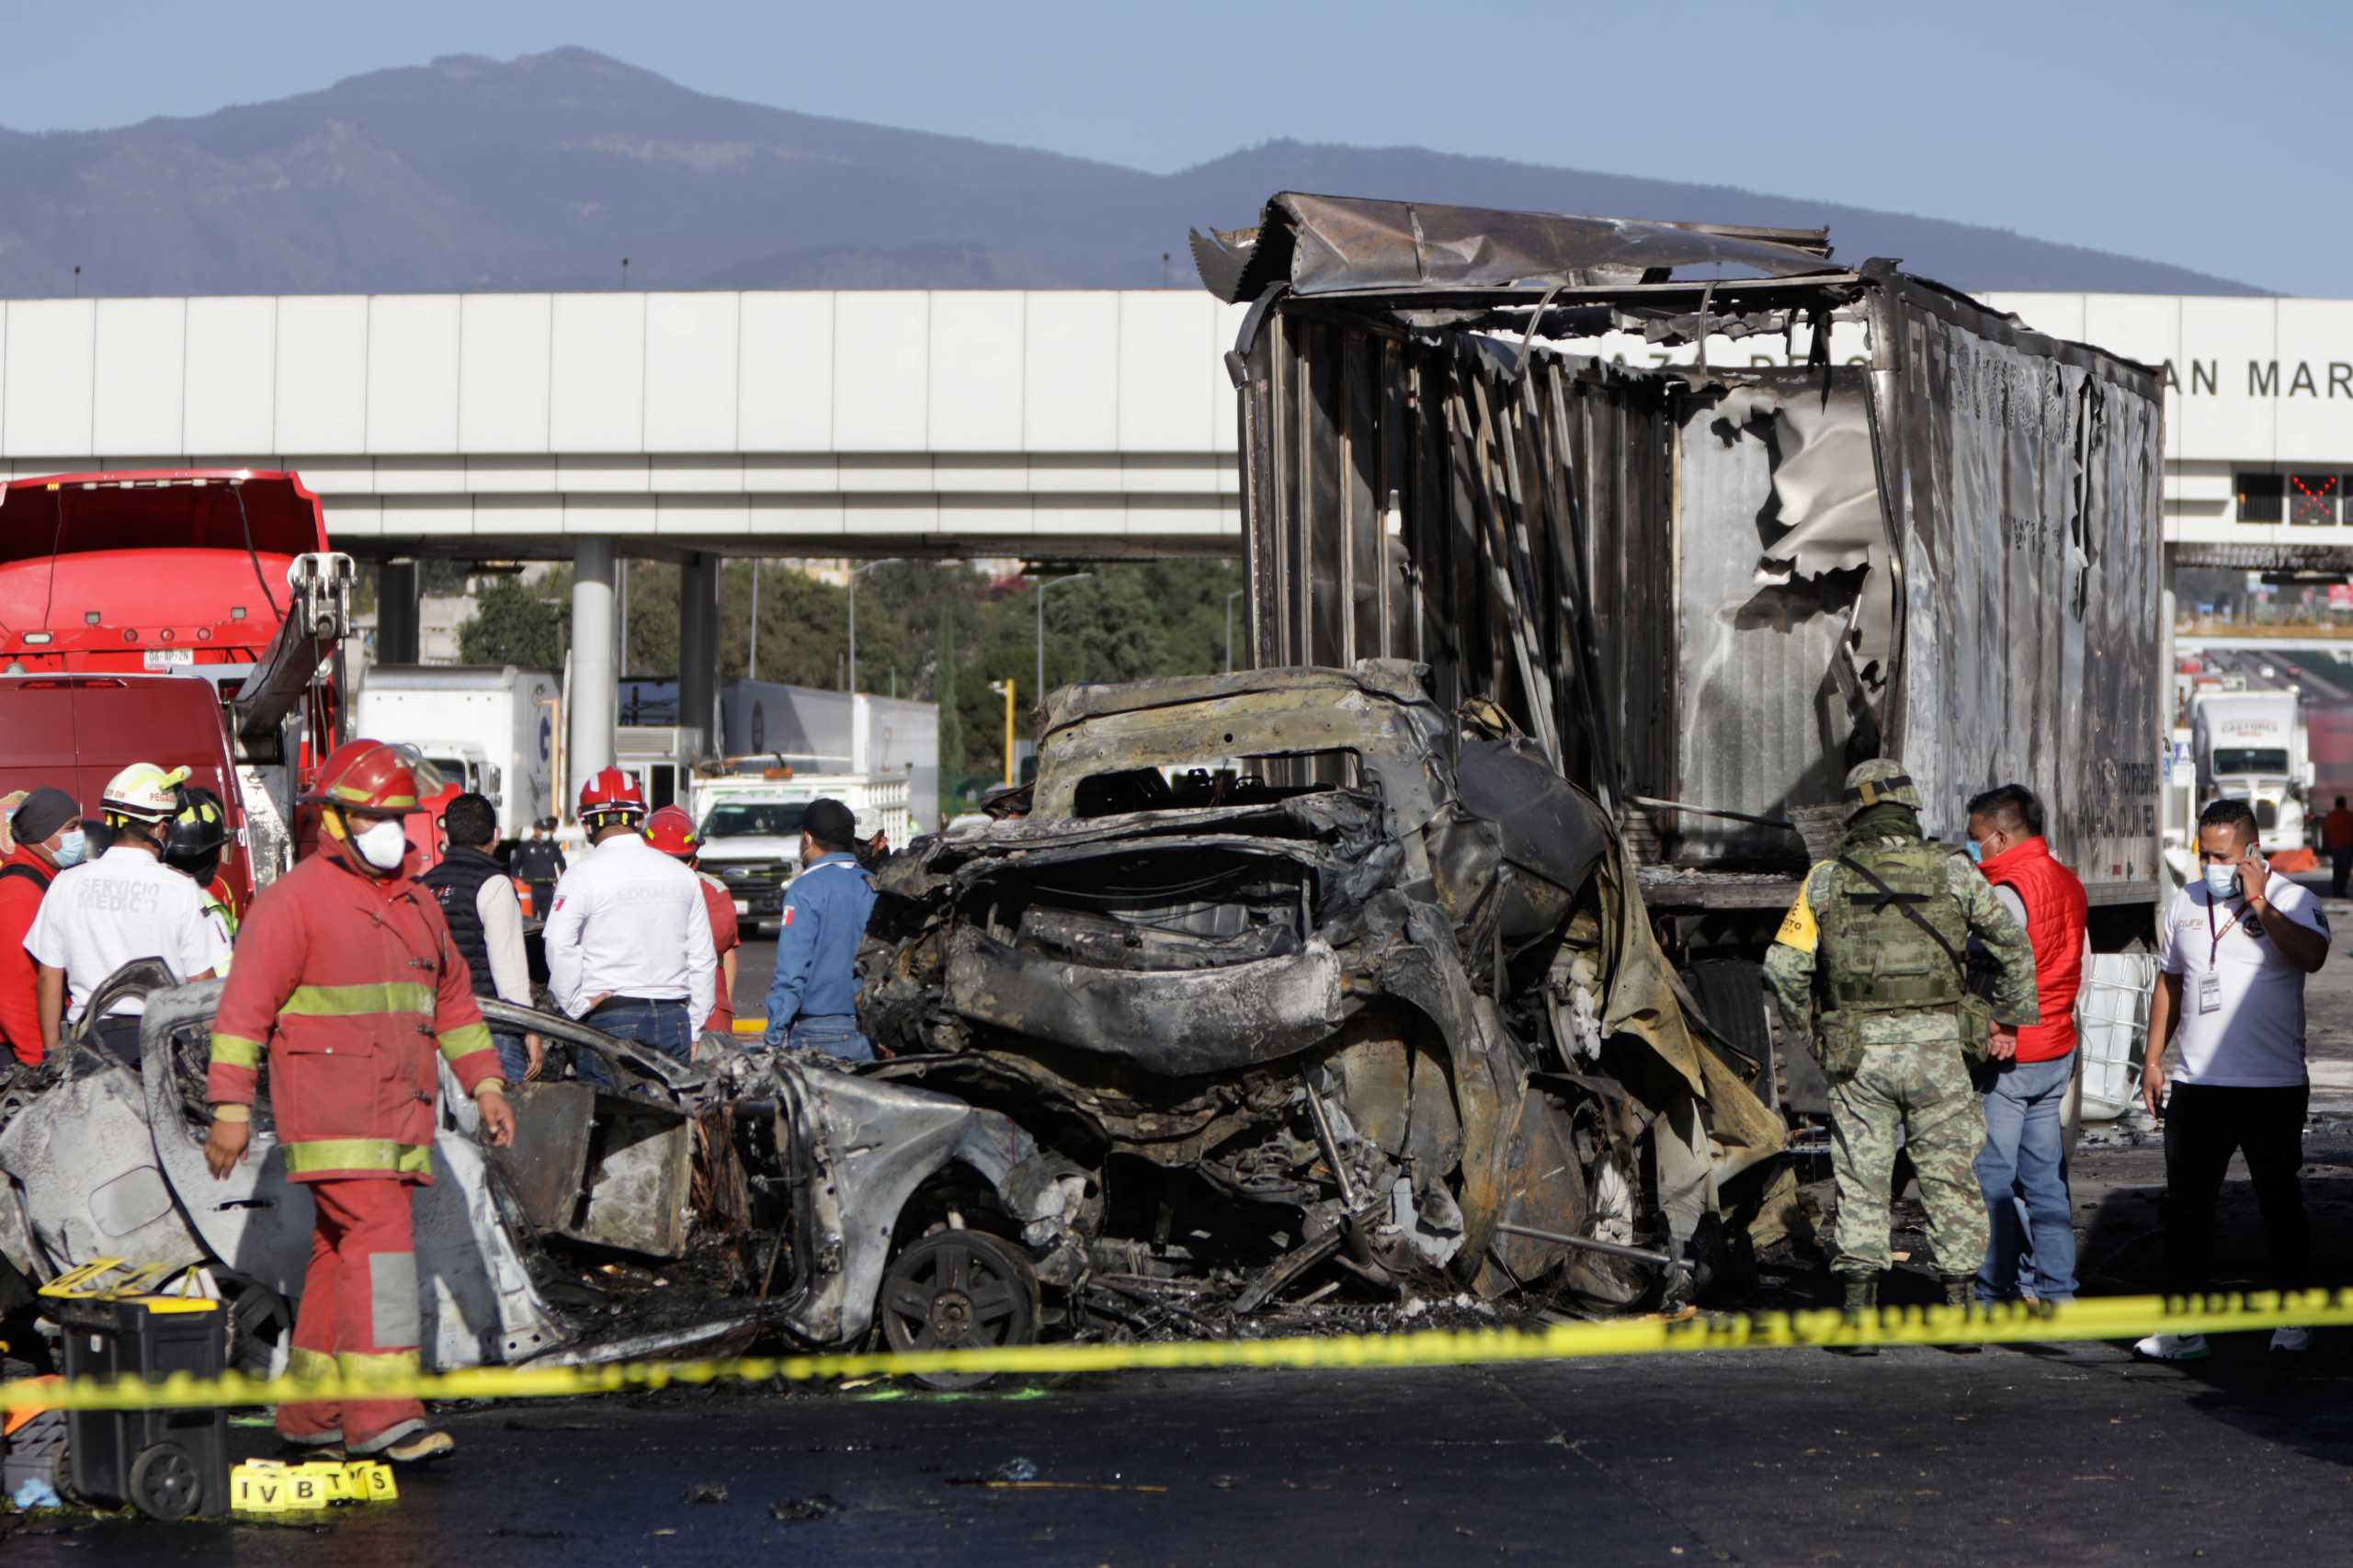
{"type": "Point", "coordinates": [545, 171]}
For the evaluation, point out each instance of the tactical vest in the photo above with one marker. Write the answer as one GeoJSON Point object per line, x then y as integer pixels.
{"type": "Point", "coordinates": [458, 883]}
{"type": "Point", "coordinates": [1872, 957]}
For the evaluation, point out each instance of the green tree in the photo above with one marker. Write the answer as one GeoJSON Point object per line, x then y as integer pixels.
{"type": "Point", "coordinates": [942, 680]}
{"type": "Point", "coordinates": [652, 618]}
{"type": "Point", "coordinates": [947, 630]}
{"type": "Point", "coordinates": [527, 624]}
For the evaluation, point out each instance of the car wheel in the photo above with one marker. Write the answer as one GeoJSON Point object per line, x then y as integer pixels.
{"type": "Point", "coordinates": [959, 1291]}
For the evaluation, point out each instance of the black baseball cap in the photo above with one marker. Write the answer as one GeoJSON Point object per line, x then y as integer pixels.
{"type": "Point", "coordinates": [41, 814]}
{"type": "Point", "coordinates": [829, 822]}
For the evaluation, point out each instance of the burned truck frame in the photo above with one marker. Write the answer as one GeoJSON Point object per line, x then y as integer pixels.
{"type": "Point", "coordinates": [1708, 587]}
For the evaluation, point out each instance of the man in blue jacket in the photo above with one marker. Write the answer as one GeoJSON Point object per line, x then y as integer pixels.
{"type": "Point", "coordinates": [812, 1003]}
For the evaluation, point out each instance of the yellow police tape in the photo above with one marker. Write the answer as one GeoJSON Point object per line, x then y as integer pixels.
{"type": "Point", "coordinates": [2112, 1317]}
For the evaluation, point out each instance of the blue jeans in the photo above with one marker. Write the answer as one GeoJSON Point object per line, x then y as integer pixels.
{"type": "Point", "coordinates": [2023, 1172]}
{"type": "Point", "coordinates": [513, 1060]}
{"type": "Point", "coordinates": [658, 1026]}
{"type": "Point", "coordinates": [835, 1035]}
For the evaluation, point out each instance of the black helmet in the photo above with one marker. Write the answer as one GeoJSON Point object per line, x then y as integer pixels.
{"type": "Point", "coordinates": [196, 833]}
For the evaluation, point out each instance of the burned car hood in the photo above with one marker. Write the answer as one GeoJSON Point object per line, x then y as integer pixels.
{"type": "Point", "coordinates": [1182, 942]}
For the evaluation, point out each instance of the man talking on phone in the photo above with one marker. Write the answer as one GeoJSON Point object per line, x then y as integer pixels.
{"type": "Point", "coordinates": [2232, 959]}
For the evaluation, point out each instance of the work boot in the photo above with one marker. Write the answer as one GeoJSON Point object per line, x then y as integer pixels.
{"type": "Point", "coordinates": [1861, 1306]}
{"type": "Point", "coordinates": [418, 1447]}
{"type": "Point", "coordinates": [1962, 1293]}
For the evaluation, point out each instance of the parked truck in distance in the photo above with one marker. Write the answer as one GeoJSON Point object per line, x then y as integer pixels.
{"type": "Point", "coordinates": [2252, 746]}
{"type": "Point", "coordinates": [492, 731]}
{"type": "Point", "coordinates": [748, 826]}
{"type": "Point", "coordinates": [771, 725]}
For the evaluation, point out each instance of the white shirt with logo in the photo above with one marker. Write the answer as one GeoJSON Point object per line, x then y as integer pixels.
{"type": "Point", "coordinates": [629, 921]}
{"type": "Point", "coordinates": [2242, 1014]}
{"type": "Point", "coordinates": [124, 905]}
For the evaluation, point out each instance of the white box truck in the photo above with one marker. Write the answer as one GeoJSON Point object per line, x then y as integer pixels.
{"type": "Point", "coordinates": [2252, 746]}
{"type": "Point", "coordinates": [490, 730]}
{"type": "Point", "coordinates": [749, 827]}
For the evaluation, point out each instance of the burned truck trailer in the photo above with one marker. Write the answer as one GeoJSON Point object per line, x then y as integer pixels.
{"type": "Point", "coordinates": [1707, 588]}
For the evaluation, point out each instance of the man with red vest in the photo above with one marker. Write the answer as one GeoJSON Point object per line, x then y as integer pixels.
{"type": "Point", "coordinates": [2024, 1163]}
{"type": "Point", "coordinates": [348, 978]}
{"type": "Point", "coordinates": [47, 828]}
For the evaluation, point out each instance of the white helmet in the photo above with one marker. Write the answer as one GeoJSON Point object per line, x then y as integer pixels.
{"type": "Point", "coordinates": [143, 792]}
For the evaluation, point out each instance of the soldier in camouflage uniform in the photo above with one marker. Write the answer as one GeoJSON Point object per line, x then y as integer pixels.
{"type": "Point", "coordinates": [1891, 1020]}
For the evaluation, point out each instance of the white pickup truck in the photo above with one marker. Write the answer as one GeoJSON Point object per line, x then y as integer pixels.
{"type": "Point", "coordinates": [748, 827]}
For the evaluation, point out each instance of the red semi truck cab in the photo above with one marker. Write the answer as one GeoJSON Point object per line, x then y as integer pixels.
{"type": "Point", "coordinates": [181, 616]}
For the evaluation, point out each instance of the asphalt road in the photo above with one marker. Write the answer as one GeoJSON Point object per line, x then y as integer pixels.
{"type": "Point", "coordinates": [755, 967]}
{"type": "Point", "coordinates": [2074, 1455]}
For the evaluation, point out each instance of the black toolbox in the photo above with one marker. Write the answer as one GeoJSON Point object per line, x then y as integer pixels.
{"type": "Point", "coordinates": [170, 1464]}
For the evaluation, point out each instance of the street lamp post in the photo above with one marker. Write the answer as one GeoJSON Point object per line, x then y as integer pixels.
{"type": "Point", "coordinates": [1229, 626]}
{"type": "Point", "coordinates": [1042, 586]}
{"type": "Point", "coordinates": [855, 574]}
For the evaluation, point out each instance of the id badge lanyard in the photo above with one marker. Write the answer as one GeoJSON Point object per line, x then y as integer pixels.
{"type": "Point", "coordinates": [2210, 984]}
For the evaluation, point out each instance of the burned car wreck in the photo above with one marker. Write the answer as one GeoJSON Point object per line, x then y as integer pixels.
{"type": "Point", "coordinates": [1308, 978]}
{"type": "Point", "coordinates": [776, 1199]}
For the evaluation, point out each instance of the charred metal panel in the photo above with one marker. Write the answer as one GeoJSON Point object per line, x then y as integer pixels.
{"type": "Point", "coordinates": [601, 1167]}
{"type": "Point", "coordinates": [1328, 244]}
{"type": "Point", "coordinates": [548, 1162]}
{"type": "Point", "coordinates": [1762, 600]}
{"type": "Point", "coordinates": [1442, 501]}
{"type": "Point", "coordinates": [2026, 475]}
{"type": "Point", "coordinates": [1172, 1023]}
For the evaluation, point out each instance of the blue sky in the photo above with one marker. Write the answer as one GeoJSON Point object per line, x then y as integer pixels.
{"type": "Point", "coordinates": [2207, 136]}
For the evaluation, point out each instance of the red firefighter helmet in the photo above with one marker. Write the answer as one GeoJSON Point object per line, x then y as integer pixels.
{"type": "Point", "coordinates": [366, 775]}
{"type": "Point", "coordinates": [672, 831]}
{"type": "Point", "coordinates": [611, 794]}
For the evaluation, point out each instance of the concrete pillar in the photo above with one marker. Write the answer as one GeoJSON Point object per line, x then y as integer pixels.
{"type": "Point", "coordinates": [595, 664]}
{"type": "Point", "coordinates": [699, 653]}
{"type": "Point", "coordinates": [397, 634]}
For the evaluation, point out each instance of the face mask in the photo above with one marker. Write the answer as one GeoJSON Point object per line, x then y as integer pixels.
{"type": "Point", "coordinates": [2222, 881]}
{"type": "Point", "coordinates": [381, 844]}
{"type": "Point", "coordinates": [73, 848]}
{"type": "Point", "coordinates": [1976, 852]}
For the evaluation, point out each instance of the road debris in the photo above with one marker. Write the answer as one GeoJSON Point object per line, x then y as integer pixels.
{"type": "Point", "coordinates": [805, 1510]}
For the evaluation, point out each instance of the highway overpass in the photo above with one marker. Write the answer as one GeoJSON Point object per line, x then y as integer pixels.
{"type": "Point", "coordinates": [470, 425]}
{"type": "Point", "coordinates": [686, 426]}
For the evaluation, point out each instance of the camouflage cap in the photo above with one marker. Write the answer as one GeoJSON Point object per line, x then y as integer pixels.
{"type": "Point", "coordinates": [1878, 781]}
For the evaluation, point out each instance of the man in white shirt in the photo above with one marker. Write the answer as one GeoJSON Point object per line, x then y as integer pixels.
{"type": "Point", "coordinates": [125, 905]}
{"type": "Point", "coordinates": [629, 944]}
{"type": "Point", "coordinates": [2232, 960]}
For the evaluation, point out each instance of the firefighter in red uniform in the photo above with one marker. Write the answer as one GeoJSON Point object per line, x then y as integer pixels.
{"type": "Point", "coordinates": [346, 976]}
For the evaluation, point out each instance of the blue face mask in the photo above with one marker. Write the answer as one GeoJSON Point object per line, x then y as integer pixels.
{"type": "Point", "coordinates": [73, 848]}
{"type": "Point", "coordinates": [2222, 881]}
{"type": "Point", "coordinates": [1976, 852]}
